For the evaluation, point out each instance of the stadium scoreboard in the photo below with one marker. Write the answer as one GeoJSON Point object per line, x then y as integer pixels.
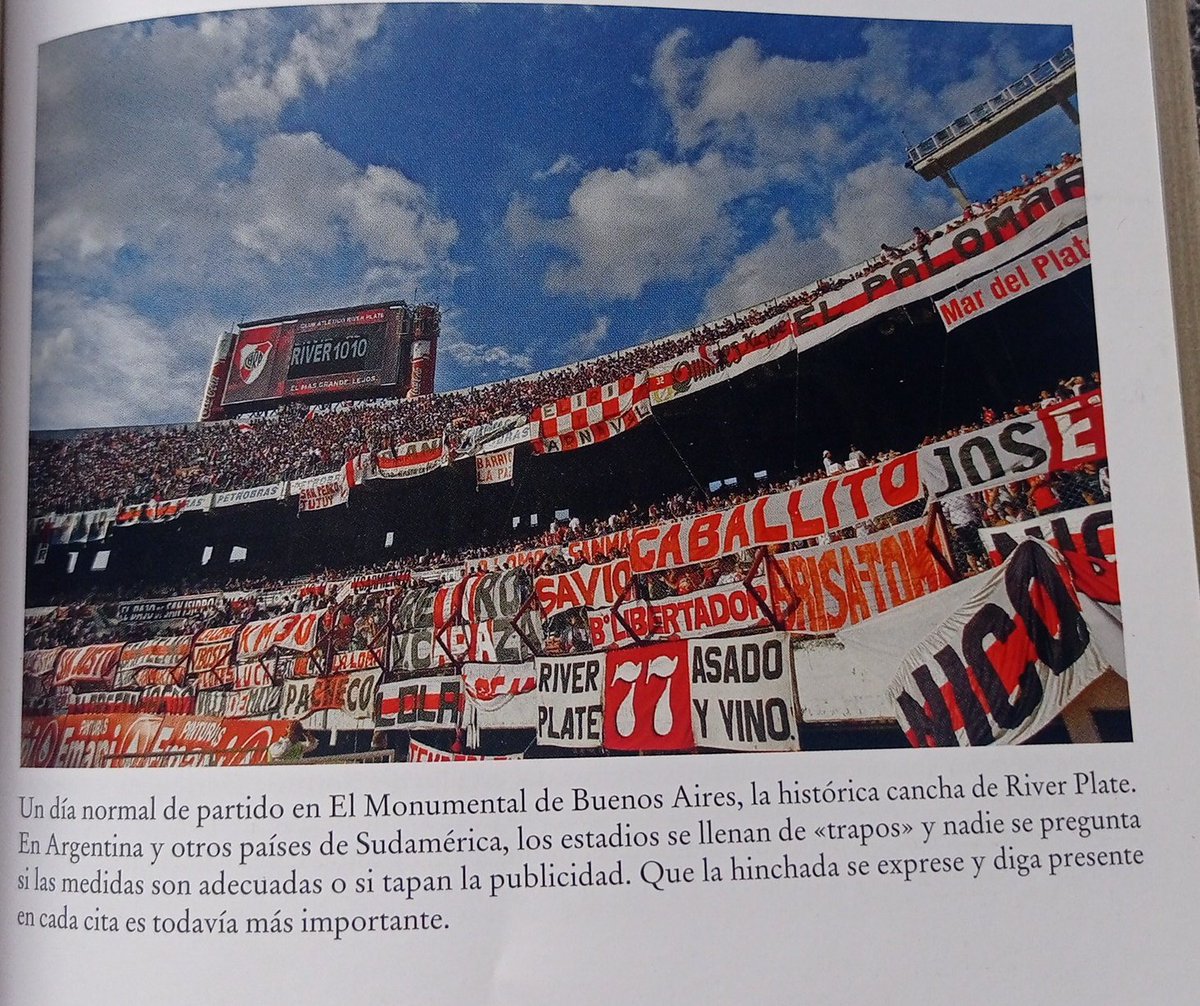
{"type": "Point", "coordinates": [325, 355]}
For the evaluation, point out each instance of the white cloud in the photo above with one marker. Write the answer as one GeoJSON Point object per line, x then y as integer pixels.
{"type": "Point", "coordinates": [96, 363]}
{"type": "Point", "coordinates": [302, 196]}
{"type": "Point", "coordinates": [315, 56]}
{"type": "Point", "coordinates": [630, 227]}
{"type": "Point", "coordinates": [140, 198]}
{"type": "Point", "coordinates": [589, 342]}
{"type": "Point", "coordinates": [878, 202]}
{"type": "Point", "coordinates": [739, 92]}
{"type": "Point", "coordinates": [483, 358]}
{"type": "Point", "coordinates": [565, 165]}
{"type": "Point", "coordinates": [768, 270]}
{"type": "Point", "coordinates": [745, 123]}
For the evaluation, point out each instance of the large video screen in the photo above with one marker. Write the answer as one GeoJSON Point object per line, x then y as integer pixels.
{"type": "Point", "coordinates": [336, 358]}
{"type": "Point", "coordinates": [332, 353]}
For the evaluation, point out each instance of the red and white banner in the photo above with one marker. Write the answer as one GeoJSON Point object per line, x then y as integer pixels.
{"type": "Point", "coordinates": [196, 741]}
{"type": "Point", "coordinates": [158, 511]}
{"type": "Point", "coordinates": [500, 696]}
{"type": "Point", "coordinates": [165, 700]}
{"type": "Point", "coordinates": [724, 360]}
{"type": "Point", "coordinates": [570, 692]}
{"type": "Point", "coordinates": [1056, 438]}
{"type": "Point", "coordinates": [88, 665]}
{"type": "Point", "coordinates": [85, 740]}
{"type": "Point", "coordinates": [423, 752]}
{"type": "Point", "coordinates": [1006, 663]}
{"type": "Point", "coordinates": [593, 415]}
{"type": "Point", "coordinates": [410, 460]}
{"type": "Point", "coordinates": [722, 609]}
{"type": "Point", "coordinates": [583, 587]}
{"type": "Point", "coordinates": [138, 740]}
{"type": "Point", "coordinates": [324, 491]}
{"type": "Point", "coordinates": [256, 673]}
{"type": "Point", "coordinates": [286, 632]}
{"type": "Point", "coordinates": [1040, 267]}
{"type": "Point", "coordinates": [433, 703]}
{"type": "Point", "coordinates": [961, 253]}
{"type": "Point", "coordinates": [830, 587]}
{"type": "Point", "coordinates": [169, 654]}
{"type": "Point", "coordinates": [352, 695]}
{"type": "Point", "coordinates": [485, 596]}
{"type": "Point", "coordinates": [1085, 539]}
{"type": "Point", "coordinates": [742, 693]}
{"type": "Point", "coordinates": [526, 559]}
{"type": "Point", "coordinates": [1087, 529]}
{"type": "Point", "coordinates": [809, 511]}
{"type": "Point", "coordinates": [648, 698]}
{"type": "Point", "coordinates": [40, 663]}
{"type": "Point", "coordinates": [212, 657]}
{"type": "Point", "coordinates": [94, 703]}
{"type": "Point", "coordinates": [601, 548]}
{"type": "Point", "coordinates": [495, 468]}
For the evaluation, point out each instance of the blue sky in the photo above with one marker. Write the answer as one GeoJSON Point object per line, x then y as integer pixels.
{"type": "Point", "coordinates": [564, 181]}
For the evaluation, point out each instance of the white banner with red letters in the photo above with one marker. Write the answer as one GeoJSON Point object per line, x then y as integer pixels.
{"type": "Point", "coordinates": [522, 559]}
{"type": "Point", "coordinates": [319, 492]}
{"type": "Point", "coordinates": [583, 587]}
{"type": "Point", "coordinates": [495, 468]}
{"type": "Point", "coordinates": [212, 657]}
{"type": "Point", "coordinates": [602, 547]}
{"type": "Point", "coordinates": [88, 665]}
{"type": "Point", "coordinates": [826, 588]}
{"type": "Point", "coordinates": [1032, 271]}
{"type": "Point", "coordinates": [297, 632]}
{"type": "Point", "coordinates": [256, 673]}
{"type": "Point", "coordinates": [1006, 663]}
{"type": "Point", "coordinates": [40, 663]}
{"type": "Point", "coordinates": [168, 654]}
{"type": "Point", "coordinates": [949, 261]}
{"type": "Point", "coordinates": [592, 416]}
{"type": "Point", "coordinates": [808, 511]}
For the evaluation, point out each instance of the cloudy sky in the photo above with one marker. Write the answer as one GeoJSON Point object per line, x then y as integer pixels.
{"type": "Point", "coordinates": [564, 181]}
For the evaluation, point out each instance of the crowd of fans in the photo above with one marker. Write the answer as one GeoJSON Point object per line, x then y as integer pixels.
{"type": "Point", "coordinates": [125, 466]}
{"type": "Point", "coordinates": [245, 600]}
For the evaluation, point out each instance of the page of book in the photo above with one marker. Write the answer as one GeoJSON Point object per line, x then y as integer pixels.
{"type": "Point", "coordinates": [736, 455]}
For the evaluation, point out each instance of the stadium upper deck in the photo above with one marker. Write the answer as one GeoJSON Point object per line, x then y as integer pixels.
{"type": "Point", "coordinates": [116, 468]}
